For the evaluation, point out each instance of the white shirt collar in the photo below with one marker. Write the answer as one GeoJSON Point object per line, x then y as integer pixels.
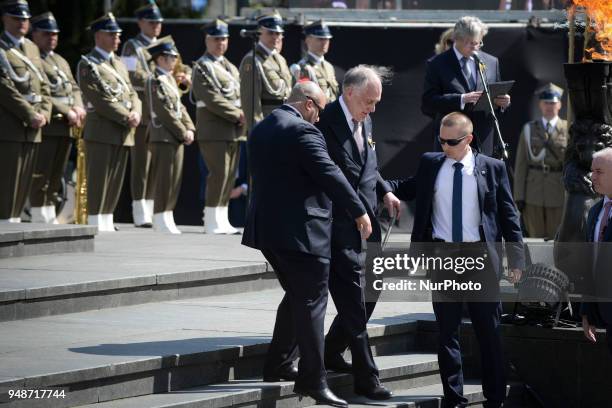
{"type": "Point", "coordinates": [553, 122]}
{"type": "Point", "coordinates": [468, 160]}
{"type": "Point", "coordinates": [318, 59]}
{"type": "Point", "coordinates": [163, 71]}
{"type": "Point", "coordinates": [147, 38]}
{"type": "Point", "coordinates": [106, 55]}
{"type": "Point", "coordinates": [215, 59]}
{"type": "Point", "coordinates": [460, 56]}
{"type": "Point", "coordinates": [16, 41]}
{"type": "Point", "coordinates": [347, 113]}
{"type": "Point", "coordinates": [266, 49]}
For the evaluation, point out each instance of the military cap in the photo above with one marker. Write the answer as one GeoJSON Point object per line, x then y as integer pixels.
{"type": "Point", "coordinates": [45, 22]}
{"type": "Point", "coordinates": [106, 23]}
{"type": "Point", "coordinates": [164, 45]}
{"type": "Point", "coordinates": [149, 12]}
{"type": "Point", "coordinates": [271, 22]}
{"type": "Point", "coordinates": [550, 93]}
{"type": "Point", "coordinates": [317, 29]}
{"type": "Point", "coordinates": [217, 28]}
{"type": "Point", "coordinates": [16, 8]}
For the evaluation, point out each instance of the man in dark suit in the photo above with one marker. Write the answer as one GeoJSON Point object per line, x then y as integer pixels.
{"type": "Point", "coordinates": [452, 83]}
{"type": "Point", "coordinates": [347, 128]}
{"type": "Point", "coordinates": [446, 187]}
{"type": "Point", "coordinates": [290, 221]}
{"type": "Point", "coordinates": [598, 231]}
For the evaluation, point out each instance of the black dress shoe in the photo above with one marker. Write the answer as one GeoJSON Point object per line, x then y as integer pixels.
{"type": "Point", "coordinates": [286, 374]}
{"type": "Point", "coordinates": [338, 364]}
{"type": "Point", "coordinates": [145, 225]}
{"type": "Point", "coordinates": [324, 396]}
{"type": "Point", "coordinates": [376, 392]}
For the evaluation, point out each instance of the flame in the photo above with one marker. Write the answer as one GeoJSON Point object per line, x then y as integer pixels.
{"type": "Point", "coordinates": [600, 12]}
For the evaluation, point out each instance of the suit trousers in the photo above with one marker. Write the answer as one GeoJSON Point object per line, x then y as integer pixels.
{"type": "Point", "coordinates": [140, 165]}
{"type": "Point", "coordinates": [166, 175]}
{"type": "Point", "coordinates": [346, 286]}
{"type": "Point", "coordinates": [542, 222]}
{"type": "Point", "coordinates": [221, 160]}
{"type": "Point", "coordinates": [51, 163]}
{"type": "Point", "coordinates": [17, 160]}
{"type": "Point", "coordinates": [105, 166]}
{"type": "Point", "coordinates": [300, 316]}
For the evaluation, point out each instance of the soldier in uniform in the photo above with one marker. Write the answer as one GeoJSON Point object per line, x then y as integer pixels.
{"type": "Point", "coordinates": [220, 125]}
{"type": "Point", "coordinates": [25, 107]}
{"type": "Point", "coordinates": [137, 60]}
{"type": "Point", "coordinates": [313, 66]}
{"type": "Point", "coordinates": [169, 128]}
{"type": "Point", "coordinates": [273, 79]}
{"type": "Point", "coordinates": [538, 184]}
{"type": "Point", "coordinates": [113, 113]}
{"type": "Point", "coordinates": [67, 113]}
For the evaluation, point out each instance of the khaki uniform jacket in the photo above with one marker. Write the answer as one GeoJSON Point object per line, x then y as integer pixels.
{"type": "Point", "coordinates": [216, 90]}
{"type": "Point", "coordinates": [169, 118]}
{"type": "Point", "coordinates": [137, 61]}
{"type": "Point", "coordinates": [109, 99]}
{"type": "Point", "coordinates": [65, 94]}
{"type": "Point", "coordinates": [272, 83]}
{"type": "Point", "coordinates": [538, 181]}
{"type": "Point", "coordinates": [24, 91]}
{"type": "Point", "coordinates": [322, 73]}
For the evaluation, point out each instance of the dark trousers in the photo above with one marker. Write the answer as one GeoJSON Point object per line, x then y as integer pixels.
{"type": "Point", "coordinates": [166, 175]}
{"type": "Point", "coordinates": [17, 160]}
{"type": "Point", "coordinates": [221, 160]}
{"type": "Point", "coordinates": [105, 168]}
{"type": "Point", "coordinates": [346, 285]}
{"type": "Point", "coordinates": [300, 316]}
{"type": "Point", "coordinates": [485, 318]}
{"type": "Point", "coordinates": [140, 165]}
{"type": "Point", "coordinates": [51, 163]}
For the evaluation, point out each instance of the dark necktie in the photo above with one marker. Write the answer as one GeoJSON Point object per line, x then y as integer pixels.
{"type": "Point", "coordinates": [604, 221]}
{"type": "Point", "coordinates": [457, 203]}
{"type": "Point", "coordinates": [548, 130]}
{"type": "Point", "coordinates": [468, 75]}
{"type": "Point", "coordinates": [358, 136]}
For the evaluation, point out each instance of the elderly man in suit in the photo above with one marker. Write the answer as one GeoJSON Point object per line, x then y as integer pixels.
{"type": "Point", "coordinates": [452, 83]}
{"type": "Point", "coordinates": [289, 220]}
{"type": "Point", "coordinates": [347, 128]}
{"type": "Point", "coordinates": [598, 231]}
{"type": "Point", "coordinates": [464, 197]}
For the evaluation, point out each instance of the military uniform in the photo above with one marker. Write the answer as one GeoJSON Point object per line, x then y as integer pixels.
{"type": "Point", "coordinates": [24, 93]}
{"type": "Point", "coordinates": [110, 99]}
{"type": "Point", "coordinates": [272, 77]}
{"type": "Point", "coordinates": [138, 62]}
{"type": "Point", "coordinates": [168, 129]}
{"type": "Point", "coordinates": [54, 150]}
{"type": "Point", "coordinates": [538, 180]}
{"type": "Point", "coordinates": [315, 68]}
{"type": "Point", "coordinates": [216, 90]}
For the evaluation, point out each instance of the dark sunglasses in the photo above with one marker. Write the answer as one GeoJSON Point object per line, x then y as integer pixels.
{"type": "Point", "coordinates": [315, 103]}
{"type": "Point", "coordinates": [452, 142]}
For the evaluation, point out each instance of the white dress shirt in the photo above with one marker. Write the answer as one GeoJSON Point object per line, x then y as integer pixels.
{"type": "Point", "coordinates": [106, 55]}
{"type": "Point", "coordinates": [266, 49]}
{"type": "Point", "coordinates": [600, 218]}
{"type": "Point", "coordinates": [442, 216]}
{"type": "Point", "coordinates": [16, 41]}
{"type": "Point", "coordinates": [317, 59]}
{"type": "Point", "coordinates": [553, 122]}
{"type": "Point", "coordinates": [347, 113]}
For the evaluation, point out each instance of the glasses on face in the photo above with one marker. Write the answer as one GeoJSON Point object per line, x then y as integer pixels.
{"type": "Point", "coordinates": [452, 142]}
{"type": "Point", "coordinates": [320, 109]}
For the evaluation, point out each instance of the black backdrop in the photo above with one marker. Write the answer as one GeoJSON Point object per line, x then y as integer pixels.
{"type": "Point", "coordinates": [531, 56]}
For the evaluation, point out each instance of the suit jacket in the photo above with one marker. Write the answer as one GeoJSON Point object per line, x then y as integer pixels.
{"type": "Point", "coordinates": [499, 216]}
{"type": "Point", "coordinates": [293, 179]}
{"type": "Point", "coordinates": [599, 313]}
{"type": "Point", "coordinates": [109, 98]}
{"type": "Point", "coordinates": [24, 91]}
{"type": "Point", "coordinates": [65, 94]}
{"type": "Point", "coordinates": [444, 84]}
{"type": "Point", "coordinates": [216, 88]}
{"type": "Point", "coordinates": [169, 119]}
{"type": "Point", "coordinates": [538, 186]}
{"type": "Point", "coordinates": [362, 173]}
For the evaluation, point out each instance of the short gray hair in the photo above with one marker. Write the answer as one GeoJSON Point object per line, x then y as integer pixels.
{"type": "Point", "coordinates": [469, 27]}
{"type": "Point", "coordinates": [605, 154]}
{"type": "Point", "coordinates": [361, 75]}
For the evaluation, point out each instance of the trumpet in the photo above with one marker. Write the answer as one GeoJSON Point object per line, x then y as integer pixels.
{"type": "Point", "coordinates": [182, 75]}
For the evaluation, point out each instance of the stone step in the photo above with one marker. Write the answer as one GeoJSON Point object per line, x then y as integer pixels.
{"type": "Point", "coordinates": [132, 266]}
{"type": "Point", "coordinates": [401, 371]}
{"type": "Point", "coordinates": [26, 239]}
{"type": "Point", "coordinates": [111, 354]}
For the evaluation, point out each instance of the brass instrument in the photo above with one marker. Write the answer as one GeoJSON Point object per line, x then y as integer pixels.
{"type": "Point", "coordinates": [80, 207]}
{"type": "Point", "coordinates": [181, 68]}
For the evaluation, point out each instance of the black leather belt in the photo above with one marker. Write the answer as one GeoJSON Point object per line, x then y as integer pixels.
{"type": "Point", "coordinates": [545, 168]}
